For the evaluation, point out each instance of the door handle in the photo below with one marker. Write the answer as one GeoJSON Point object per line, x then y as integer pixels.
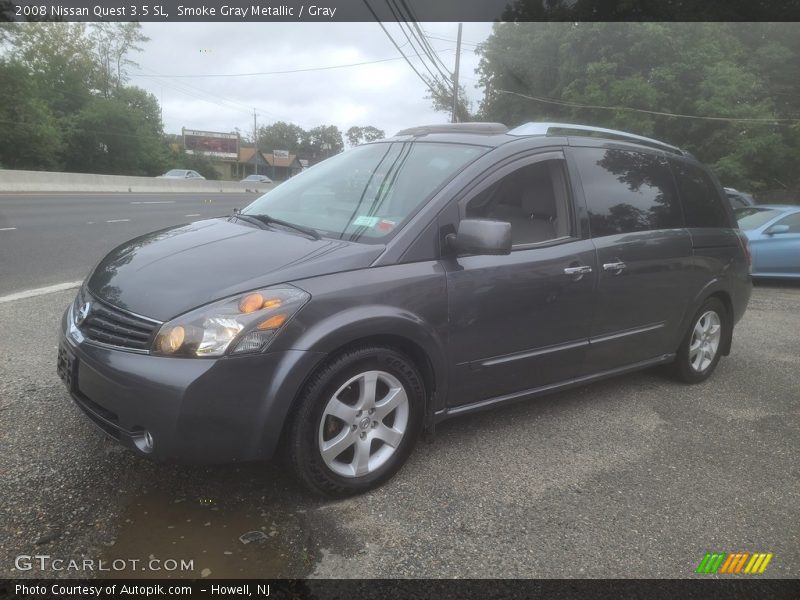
{"type": "Point", "coordinates": [615, 267]}
{"type": "Point", "coordinates": [578, 272]}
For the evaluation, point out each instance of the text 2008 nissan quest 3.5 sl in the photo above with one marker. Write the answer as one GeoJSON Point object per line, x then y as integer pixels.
{"type": "Point", "coordinates": [445, 270]}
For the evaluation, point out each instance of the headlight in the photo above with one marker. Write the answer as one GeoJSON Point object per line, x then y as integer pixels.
{"type": "Point", "coordinates": [244, 323]}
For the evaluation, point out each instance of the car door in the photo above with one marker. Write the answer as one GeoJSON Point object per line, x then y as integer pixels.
{"type": "Point", "coordinates": [643, 255]}
{"type": "Point", "coordinates": [521, 321]}
{"type": "Point", "coordinates": [777, 249]}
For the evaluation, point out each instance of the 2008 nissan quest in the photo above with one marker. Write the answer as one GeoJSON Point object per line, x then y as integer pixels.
{"type": "Point", "coordinates": [445, 270]}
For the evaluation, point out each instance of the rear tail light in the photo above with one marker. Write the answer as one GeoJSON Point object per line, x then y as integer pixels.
{"type": "Point", "coordinates": [745, 248]}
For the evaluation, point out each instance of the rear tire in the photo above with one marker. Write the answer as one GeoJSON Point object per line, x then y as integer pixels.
{"type": "Point", "coordinates": [356, 421]}
{"type": "Point", "coordinates": [701, 347]}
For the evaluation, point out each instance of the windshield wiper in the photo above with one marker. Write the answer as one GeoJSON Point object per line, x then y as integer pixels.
{"type": "Point", "coordinates": [250, 219]}
{"type": "Point", "coordinates": [267, 220]}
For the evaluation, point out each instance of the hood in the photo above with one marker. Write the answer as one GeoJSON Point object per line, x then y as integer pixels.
{"type": "Point", "coordinates": [168, 272]}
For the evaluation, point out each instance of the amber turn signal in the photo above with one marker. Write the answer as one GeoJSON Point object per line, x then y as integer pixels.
{"type": "Point", "coordinates": [251, 303]}
{"type": "Point", "coordinates": [272, 322]}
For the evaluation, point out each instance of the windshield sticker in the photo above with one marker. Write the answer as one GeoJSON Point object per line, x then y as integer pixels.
{"type": "Point", "coordinates": [386, 225]}
{"type": "Point", "coordinates": [365, 221]}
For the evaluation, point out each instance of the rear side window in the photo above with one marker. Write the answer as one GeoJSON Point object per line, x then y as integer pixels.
{"type": "Point", "coordinates": [702, 205]}
{"type": "Point", "coordinates": [627, 191]}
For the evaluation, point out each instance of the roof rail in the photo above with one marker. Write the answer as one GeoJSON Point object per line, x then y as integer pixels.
{"type": "Point", "coordinates": [544, 129]}
{"type": "Point", "coordinates": [479, 128]}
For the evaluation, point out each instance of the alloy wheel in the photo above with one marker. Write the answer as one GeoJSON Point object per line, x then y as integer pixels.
{"type": "Point", "coordinates": [705, 341]}
{"type": "Point", "coordinates": [363, 424]}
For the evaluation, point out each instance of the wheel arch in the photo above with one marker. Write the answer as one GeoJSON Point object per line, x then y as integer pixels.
{"type": "Point", "coordinates": [377, 326]}
{"type": "Point", "coordinates": [713, 289]}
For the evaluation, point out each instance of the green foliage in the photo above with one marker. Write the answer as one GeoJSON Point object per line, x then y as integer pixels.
{"type": "Point", "coordinates": [280, 136]}
{"type": "Point", "coordinates": [179, 159]}
{"type": "Point", "coordinates": [64, 105]}
{"type": "Point", "coordinates": [440, 93]}
{"type": "Point", "coordinates": [117, 135]}
{"type": "Point", "coordinates": [322, 142]}
{"type": "Point", "coordinates": [30, 137]}
{"type": "Point", "coordinates": [317, 143]}
{"type": "Point", "coordinates": [599, 73]}
{"type": "Point", "coordinates": [361, 135]}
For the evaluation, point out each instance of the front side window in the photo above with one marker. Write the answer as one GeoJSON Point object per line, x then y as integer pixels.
{"type": "Point", "coordinates": [793, 221]}
{"type": "Point", "coordinates": [533, 199]}
{"type": "Point", "coordinates": [702, 205]}
{"type": "Point", "coordinates": [627, 191]}
{"type": "Point", "coordinates": [367, 193]}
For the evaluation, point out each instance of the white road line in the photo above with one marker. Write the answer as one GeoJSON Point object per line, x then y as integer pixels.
{"type": "Point", "coordinates": [7, 228]}
{"type": "Point", "coordinates": [59, 287]}
{"type": "Point", "coordinates": [118, 221]}
{"type": "Point", "coordinates": [154, 202]}
{"type": "Point", "coordinates": [193, 215]}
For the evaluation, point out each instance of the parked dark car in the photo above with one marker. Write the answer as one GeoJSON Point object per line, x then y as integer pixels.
{"type": "Point", "coordinates": [446, 270]}
{"type": "Point", "coordinates": [738, 199]}
{"type": "Point", "coordinates": [773, 231]}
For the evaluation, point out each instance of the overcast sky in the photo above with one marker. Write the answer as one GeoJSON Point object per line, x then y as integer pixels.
{"type": "Point", "coordinates": [387, 95]}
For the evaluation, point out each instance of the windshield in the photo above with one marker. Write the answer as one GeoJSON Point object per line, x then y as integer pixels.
{"type": "Point", "coordinates": [367, 193]}
{"type": "Point", "coordinates": [752, 218]}
{"type": "Point", "coordinates": [176, 173]}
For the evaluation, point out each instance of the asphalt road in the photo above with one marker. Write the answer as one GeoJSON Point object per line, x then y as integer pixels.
{"type": "Point", "coordinates": [53, 238]}
{"type": "Point", "coordinates": [638, 476]}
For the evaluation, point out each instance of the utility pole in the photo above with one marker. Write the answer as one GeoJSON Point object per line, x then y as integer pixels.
{"type": "Point", "coordinates": [255, 130]}
{"type": "Point", "coordinates": [455, 76]}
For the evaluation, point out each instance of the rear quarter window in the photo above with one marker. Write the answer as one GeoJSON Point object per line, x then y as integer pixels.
{"type": "Point", "coordinates": [627, 191]}
{"type": "Point", "coordinates": [702, 204]}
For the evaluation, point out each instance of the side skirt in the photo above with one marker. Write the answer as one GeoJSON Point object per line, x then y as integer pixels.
{"type": "Point", "coordinates": [548, 389]}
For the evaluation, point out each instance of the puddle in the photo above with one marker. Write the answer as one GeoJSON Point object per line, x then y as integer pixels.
{"type": "Point", "coordinates": [206, 530]}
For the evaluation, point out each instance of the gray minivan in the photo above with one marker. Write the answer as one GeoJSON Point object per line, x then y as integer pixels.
{"type": "Point", "coordinates": [448, 269]}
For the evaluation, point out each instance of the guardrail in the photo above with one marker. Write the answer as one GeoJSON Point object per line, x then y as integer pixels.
{"type": "Point", "coordinates": [45, 181]}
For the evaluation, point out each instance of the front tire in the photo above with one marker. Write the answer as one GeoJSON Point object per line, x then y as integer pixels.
{"type": "Point", "coordinates": [701, 347]}
{"type": "Point", "coordinates": [356, 422]}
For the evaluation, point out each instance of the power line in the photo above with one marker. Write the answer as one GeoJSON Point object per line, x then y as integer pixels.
{"type": "Point", "coordinates": [394, 43]}
{"type": "Point", "coordinates": [651, 112]}
{"type": "Point", "coordinates": [289, 71]}
{"type": "Point", "coordinates": [416, 32]}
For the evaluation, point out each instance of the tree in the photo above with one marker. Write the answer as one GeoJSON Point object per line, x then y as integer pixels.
{"type": "Point", "coordinates": [59, 60]}
{"type": "Point", "coordinates": [113, 43]}
{"type": "Point", "coordinates": [280, 136]}
{"type": "Point", "coordinates": [30, 137]}
{"type": "Point", "coordinates": [361, 135]}
{"type": "Point", "coordinates": [441, 96]}
{"type": "Point", "coordinates": [622, 75]}
{"type": "Point", "coordinates": [117, 135]}
{"type": "Point", "coordinates": [322, 142]}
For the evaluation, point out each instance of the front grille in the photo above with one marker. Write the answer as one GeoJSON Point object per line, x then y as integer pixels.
{"type": "Point", "coordinates": [110, 325]}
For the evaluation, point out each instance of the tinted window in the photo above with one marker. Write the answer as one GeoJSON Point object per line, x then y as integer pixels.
{"type": "Point", "coordinates": [752, 218]}
{"type": "Point", "coordinates": [368, 192]}
{"type": "Point", "coordinates": [627, 191]}
{"type": "Point", "coordinates": [533, 199]}
{"type": "Point", "coordinates": [702, 205]}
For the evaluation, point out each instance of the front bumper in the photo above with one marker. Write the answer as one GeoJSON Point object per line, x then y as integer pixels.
{"type": "Point", "coordinates": [196, 409]}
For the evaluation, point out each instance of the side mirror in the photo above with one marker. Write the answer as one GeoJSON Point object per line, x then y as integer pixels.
{"type": "Point", "coordinates": [481, 237]}
{"type": "Point", "coordinates": [777, 229]}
